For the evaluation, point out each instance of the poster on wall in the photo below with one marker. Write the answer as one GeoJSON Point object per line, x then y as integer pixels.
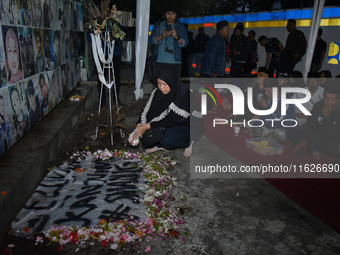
{"type": "Point", "coordinates": [32, 91]}
{"type": "Point", "coordinates": [37, 13]}
{"type": "Point", "coordinates": [68, 20]}
{"type": "Point", "coordinates": [38, 49]}
{"type": "Point", "coordinates": [48, 49]}
{"type": "Point", "coordinates": [73, 36]}
{"type": "Point", "coordinates": [3, 74]}
{"type": "Point", "coordinates": [44, 98]}
{"type": "Point", "coordinates": [59, 88]}
{"type": "Point", "coordinates": [27, 54]}
{"type": "Point", "coordinates": [24, 14]}
{"type": "Point", "coordinates": [71, 72]}
{"type": "Point", "coordinates": [56, 47]}
{"type": "Point", "coordinates": [7, 132]}
{"type": "Point", "coordinates": [12, 54]}
{"type": "Point", "coordinates": [47, 13]}
{"type": "Point", "coordinates": [65, 48]}
{"type": "Point", "coordinates": [7, 9]}
{"type": "Point", "coordinates": [52, 90]}
{"type": "Point", "coordinates": [79, 17]}
{"type": "Point", "coordinates": [64, 79]}
{"type": "Point", "coordinates": [19, 110]}
{"type": "Point", "coordinates": [61, 13]}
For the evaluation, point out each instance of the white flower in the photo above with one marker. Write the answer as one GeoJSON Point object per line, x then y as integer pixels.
{"type": "Point", "coordinates": [114, 246]}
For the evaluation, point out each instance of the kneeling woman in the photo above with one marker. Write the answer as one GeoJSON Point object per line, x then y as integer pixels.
{"type": "Point", "coordinates": [164, 123]}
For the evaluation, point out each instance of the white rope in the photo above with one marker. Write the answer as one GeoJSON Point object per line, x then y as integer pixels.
{"type": "Point", "coordinates": [107, 45]}
{"type": "Point", "coordinates": [98, 65]}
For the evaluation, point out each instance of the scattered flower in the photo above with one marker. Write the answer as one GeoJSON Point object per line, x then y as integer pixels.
{"type": "Point", "coordinates": [156, 191]}
{"type": "Point", "coordinates": [78, 170]}
{"type": "Point", "coordinates": [147, 249]}
{"type": "Point", "coordinates": [76, 98]}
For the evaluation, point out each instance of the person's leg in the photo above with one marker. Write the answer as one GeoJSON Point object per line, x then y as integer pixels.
{"type": "Point", "coordinates": [176, 137]}
{"type": "Point", "coordinates": [272, 66]}
{"type": "Point", "coordinates": [190, 60]}
{"type": "Point", "coordinates": [236, 70]}
{"type": "Point", "coordinates": [198, 61]}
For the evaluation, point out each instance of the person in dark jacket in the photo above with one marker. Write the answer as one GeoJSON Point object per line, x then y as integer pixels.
{"type": "Point", "coordinates": [214, 59]}
{"type": "Point", "coordinates": [240, 48]}
{"type": "Point", "coordinates": [321, 133]}
{"type": "Point", "coordinates": [295, 49]}
{"type": "Point", "coordinates": [168, 109]}
{"type": "Point", "coordinates": [201, 41]}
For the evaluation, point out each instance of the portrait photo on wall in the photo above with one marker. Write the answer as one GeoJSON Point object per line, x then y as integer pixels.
{"type": "Point", "coordinates": [65, 48]}
{"type": "Point", "coordinates": [44, 98]}
{"type": "Point", "coordinates": [54, 18]}
{"type": "Point", "coordinates": [3, 74]}
{"type": "Point", "coordinates": [19, 109]}
{"type": "Point", "coordinates": [73, 38]}
{"type": "Point", "coordinates": [64, 79]}
{"type": "Point", "coordinates": [24, 14]}
{"type": "Point", "coordinates": [56, 47]}
{"type": "Point", "coordinates": [33, 100]}
{"type": "Point", "coordinates": [7, 132]}
{"type": "Point", "coordinates": [79, 12]}
{"type": "Point", "coordinates": [47, 13]}
{"type": "Point", "coordinates": [27, 53]}
{"type": "Point", "coordinates": [38, 49]}
{"type": "Point", "coordinates": [37, 13]}
{"type": "Point", "coordinates": [48, 48]}
{"type": "Point", "coordinates": [59, 15]}
{"type": "Point", "coordinates": [68, 16]}
{"type": "Point", "coordinates": [59, 88]}
{"type": "Point", "coordinates": [52, 90]}
{"type": "Point", "coordinates": [12, 53]}
{"type": "Point", "coordinates": [7, 9]}
{"type": "Point", "coordinates": [72, 69]}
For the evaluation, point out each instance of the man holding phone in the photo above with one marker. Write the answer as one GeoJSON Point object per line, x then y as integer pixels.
{"type": "Point", "coordinates": [169, 36]}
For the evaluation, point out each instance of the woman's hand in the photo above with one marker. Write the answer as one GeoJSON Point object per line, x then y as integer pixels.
{"type": "Point", "coordinates": [141, 129]}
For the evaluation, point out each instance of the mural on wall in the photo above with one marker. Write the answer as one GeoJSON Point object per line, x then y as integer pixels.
{"type": "Point", "coordinates": [40, 43]}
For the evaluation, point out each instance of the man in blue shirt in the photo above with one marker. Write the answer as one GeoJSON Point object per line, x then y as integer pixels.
{"type": "Point", "coordinates": [169, 36]}
{"type": "Point", "coordinates": [215, 56]}
{"type": "Point", "coordinates": [274, 48]}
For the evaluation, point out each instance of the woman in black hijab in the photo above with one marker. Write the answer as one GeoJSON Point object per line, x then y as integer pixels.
{"type": "Point", "coordinates": [168, 109]}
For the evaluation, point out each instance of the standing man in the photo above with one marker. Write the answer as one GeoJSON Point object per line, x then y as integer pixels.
{"type": "Point", "coordinates": [319, 53]}
{"type": "Point", "coordinates": [253, 56]}
{"type": "Point", "coordinates": [274, 48]}
{"type": "Point", "coordinates": [201, 44]}
{"type": "Point", "coordinates": [240, 48]}
{"type": "Point", "coordinates": [169, 36]}
{"type": "Point", "coordinates": [295, 49]}
{"type": "Point", "coordinates": [214, 59]}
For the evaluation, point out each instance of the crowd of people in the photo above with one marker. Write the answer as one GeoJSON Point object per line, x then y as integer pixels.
{"type": "Point", "coordinates": [167, 113]}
